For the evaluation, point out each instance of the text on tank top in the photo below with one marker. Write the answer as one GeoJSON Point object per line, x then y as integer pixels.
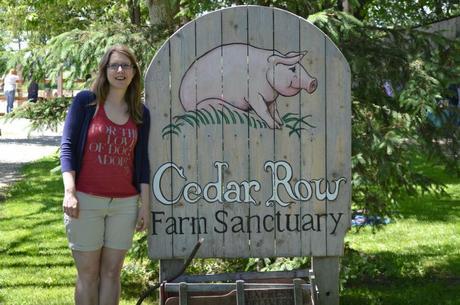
{"type": "Point", "coordinates": [108, 159]}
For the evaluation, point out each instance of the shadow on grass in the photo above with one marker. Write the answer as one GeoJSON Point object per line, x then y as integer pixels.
{"type": "Point", "coordinates": [403, 292]}
{"type": "Point", "coordinates": [383, 266]}
{"type": "Point", "coordinates": [30, 224]}
{"type": "Point", "coordinates": [39, 264]}
{"type": "Point", "coordinates": [34, 236]}
{"type": "Point", "coordinates": [428, 270]}
{"type": "Point", "coordinates": [38, 285]}
{"type": "Point", "coordinates": [431, 208]}
{"type": "Point", "coordinates": [29, 215]}
{"type": "Point", "coordinates": [41, 140]}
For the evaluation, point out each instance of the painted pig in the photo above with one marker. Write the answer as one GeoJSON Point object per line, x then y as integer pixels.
{"type": "Point", "coordinates": [220, 77]}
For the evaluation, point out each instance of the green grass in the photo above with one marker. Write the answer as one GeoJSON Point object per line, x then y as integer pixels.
{"type": "Point", "coordinates": [413, 260]}
{"type": "Point", "coordinates": [36, 266]}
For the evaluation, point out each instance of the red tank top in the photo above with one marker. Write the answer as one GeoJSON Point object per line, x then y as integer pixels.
{"type": "Point", "coordinates": [107, 165]}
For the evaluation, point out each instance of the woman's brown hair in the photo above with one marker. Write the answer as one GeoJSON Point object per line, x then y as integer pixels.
{"type": "Point", "coordinates": [101, 84]}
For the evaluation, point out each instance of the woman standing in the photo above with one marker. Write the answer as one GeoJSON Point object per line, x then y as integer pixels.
{"type": "Point", "coordinates": [10, 89]}
{"type": "Point", "coordinates": [105, 169]}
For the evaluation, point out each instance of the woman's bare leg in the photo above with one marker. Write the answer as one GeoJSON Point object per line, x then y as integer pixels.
{"type": "Point", "coordinates": [111, 264]}
{"type": "Point", "coordinates": [88, 269]}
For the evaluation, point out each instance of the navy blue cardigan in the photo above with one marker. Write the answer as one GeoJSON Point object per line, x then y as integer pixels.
{"type": "Point", "coordinates": [76, 126]}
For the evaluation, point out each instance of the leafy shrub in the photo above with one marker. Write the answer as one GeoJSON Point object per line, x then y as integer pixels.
{"type": "Point", "coordinates": [44, 114]}
{"type": "Point", "coordinates": [390, 128]}
{"type": "Point", "coordinates": [278, 264]}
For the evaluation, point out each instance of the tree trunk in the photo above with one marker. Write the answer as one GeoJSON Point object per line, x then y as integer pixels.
{"type": "Point", "coordinates": [134, 12]}
{"type": "Point", "coordinates": [438, 9]}
{"type": "Point", "coordinates": [156, 12]}
{"type": "Point", "coordinates": [162, 12]}
{"type": "Point", "coordinates": [345, 6]}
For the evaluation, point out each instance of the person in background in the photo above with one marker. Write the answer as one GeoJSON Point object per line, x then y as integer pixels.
{"type": "Point", "coordinates": [454, 96]}
{"type": "Point", "coordinates": [32, 91]}
{"type": "Point", "coordinates": [454, 103]}
{"type": "Point", "coordinates": [9, 83]}
{"type": "Point", "coordinates": [105, 170]}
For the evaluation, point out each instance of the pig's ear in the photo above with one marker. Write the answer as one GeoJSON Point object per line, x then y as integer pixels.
{"type": "Point", "coordinates": [288, 59]}
{"type": "Point", "coordinates": [301, 53]}
{"type": "Point", "coordinates": [273, 59]}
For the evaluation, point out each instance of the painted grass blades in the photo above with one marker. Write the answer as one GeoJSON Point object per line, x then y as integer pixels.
{"type": "Point", "coordinates": [204, 117]}
{"type": "Point", "coordinates": [299, 123]}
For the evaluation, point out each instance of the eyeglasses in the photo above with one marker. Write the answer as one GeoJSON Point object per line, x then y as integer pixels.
{"type": "Point", "coordinates": [115, 67]}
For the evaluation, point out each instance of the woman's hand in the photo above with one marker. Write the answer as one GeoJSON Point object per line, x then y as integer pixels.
{"type": "Point", "coordinates": [70, 204]}
{"type": "Point", "coordinates": [143, 218]}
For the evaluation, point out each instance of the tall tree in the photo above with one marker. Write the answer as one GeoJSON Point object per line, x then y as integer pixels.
{"type": "Point", "coordinates": [38, 21]}
{"type": "Point", "coordinates": [134, 12]}
{"type": "Point", "coordinates": [163, 12]}
{"type": "Point", "coordinates": [407, 13]}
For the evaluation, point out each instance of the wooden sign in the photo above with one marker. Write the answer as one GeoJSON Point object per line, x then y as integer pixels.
{"type": "Point", "coordinates": [250, 142]}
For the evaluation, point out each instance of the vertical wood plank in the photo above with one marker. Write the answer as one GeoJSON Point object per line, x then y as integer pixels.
{"type": "Point", "coordinates": [240, 293]}
{"type": "Point", "coordinates": [185, 233]}
{"type": "Point", "coordinates": [338, 148]}
{"type": "Point", "coordinates": [235, 134]}
{"type": "Point", "coordinates": [287, 146]}
{"type": "Point", "coordinates": [313, 287]}
{"type": "Point", "coordinates": [327, 279]}
{"type": "Point", "coordinates": [298, 293]}
{"type": "Point", "coordinates": [452, 27]}
{"type": "Point", "coordinates": [158, 100]}
{"type": "Point", "coordinates": [183, 295]}
{"type": "Point", "coordinates": [169, 268]}
{"type": "Point", "coordinates": [261, 147]}
{"type": "Point", "coordinates": [457, 27]}
{"type": "Point", "coordinates": [209, 137]}
{"type": "Point", "coordinates": [313, 139]}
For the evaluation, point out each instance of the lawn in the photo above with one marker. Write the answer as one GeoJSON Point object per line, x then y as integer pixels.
{"type": "Point", "coordinates": [36, 267]}
{"type": "Point", "coordinates": [413, 260]}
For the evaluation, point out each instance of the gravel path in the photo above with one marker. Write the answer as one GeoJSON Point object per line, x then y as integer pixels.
{"type": "Point", "coordinates": [18, 146]}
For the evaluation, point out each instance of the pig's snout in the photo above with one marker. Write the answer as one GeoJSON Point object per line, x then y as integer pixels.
{"type": "Point", "coordinates": [312, 85]}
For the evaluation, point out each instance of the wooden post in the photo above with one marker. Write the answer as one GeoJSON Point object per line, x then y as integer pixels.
{"type": "Point", "coordinates": [240, 292]}
{"type": "Point", "coordinates": [60, 84]}
{"type": "Point", "coordinates": [326, 271]}
{"type": "Point", "coordinates": [169, 268]}
{"type": "Point", "coordinates": [183, 297]}
{"type": "Point", "coordinates": [298, 295]}
{"type": "Point", "coordinates": [313, 289]}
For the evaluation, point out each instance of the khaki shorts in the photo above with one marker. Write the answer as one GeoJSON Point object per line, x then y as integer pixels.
{"type": "Point", "coordinates": [102, 222]}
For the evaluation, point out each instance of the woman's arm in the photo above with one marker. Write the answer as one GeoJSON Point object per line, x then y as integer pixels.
{"type": "Point", "coordinates": [72, 128]}
{"type": "Point", "coordinates": [70, 201]}
{"type": "Point", "coordinates": [144, 209]}
{"type": "Point", "coordinates": [69, 140]}
{"type": "Point", "coordinates": [144, 147]}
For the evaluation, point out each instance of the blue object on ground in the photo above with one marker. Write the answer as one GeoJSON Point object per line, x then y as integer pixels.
{"type": "Point", "coordinates": [363, 220]}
